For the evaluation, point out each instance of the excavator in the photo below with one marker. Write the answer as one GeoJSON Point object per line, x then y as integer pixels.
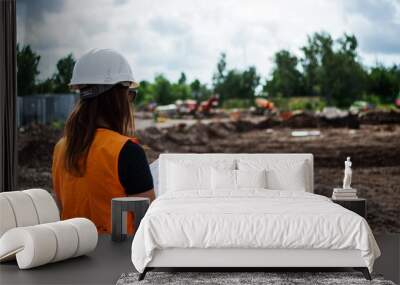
{"type": "Point", "coordinates": [188, 107]}
{"type": "Point", "coordinates": [205, 107]}
{"type": "Point", "coordinates": [263, 107]}
{"type": "Point", "coordinates": [193, 108]}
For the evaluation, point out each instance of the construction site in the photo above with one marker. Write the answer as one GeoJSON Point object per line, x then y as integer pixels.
{"type": "Point", "coordinates": [371, 139]}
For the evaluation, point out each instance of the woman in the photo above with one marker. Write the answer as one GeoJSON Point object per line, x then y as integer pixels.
{"type": "Point", "coordinates": [97, 159]}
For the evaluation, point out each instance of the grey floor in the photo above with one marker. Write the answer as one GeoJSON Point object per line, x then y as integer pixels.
{"type": "Point", "coordinates": [102, 266]}
{"type": "Point", "coordinates": [110, 260]}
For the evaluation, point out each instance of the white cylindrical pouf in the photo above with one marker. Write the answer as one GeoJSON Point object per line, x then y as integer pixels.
{"type": "Point", "coordinates": [40, 244]}
{"type": "Point", "coordinates": [87, 234]}
{"type": "Point", "coordinates": [67, 240]}
{"type": "Point", "coordinates": [7, 218]}
{"type": "Point", "coordinates": [33, 246]}
{"type": "Point", "coordinates": [45, 205]}
{"type": "Point", "coordinates": [23, 208]}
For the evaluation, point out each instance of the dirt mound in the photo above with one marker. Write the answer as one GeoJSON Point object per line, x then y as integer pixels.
{"type": "Point", "coordinates": [193, 138]}
{"type": "Point", "coordinates": [380, 117]}
{"type": "Point", "coordinates": [302, 120]}
{"type": "Point", "coordinates": [349, 121]}
{"type": "Point", "coordinates": [310, 120]}
{"type": "Point", "coordinates": [36, 145]}
{"type": "Point", "coordinates": [152, 136]}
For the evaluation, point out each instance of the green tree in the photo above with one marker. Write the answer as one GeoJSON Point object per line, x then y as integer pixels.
{"type": "Point", "coordinates": [384, 82]}
{"type": "Point", "coordinates": [345, 76]}
{"type": "Point", "coordinates": [286, 79]}
{"type": "Point", "coordinates": [239, 85]}
{"type": "Point", "coordinates": [331, 69]}
{"type": "Point", "coordinates": [248, 84]}
{"type": "Point", "coordinates": [45, 86]}
{"type": "Point", "coordinates": [219, 75]}
{"type": "Point", "coordinates": [145, 93]}
{"type": "Point", "coordinates": [62, 77]}
{"type": "Point", "coordinates": [181, 90]}
{"type": "Point", "coordinates": [27, 70]}
{"type": "Point", "coordinates": [311, 68]}
{"type": "Point", "coordinates": [230, 87]}
{"type": "Point", "coordinates": [195, 87]}
{"type": "Point", "coordinates": [182, 79]}
{"type": "Point", "coordinates": [162, 90]}
{"type": "Point", "coordinates": [235, 84]}
{"type": "Point", "coordinates": [200, 92]}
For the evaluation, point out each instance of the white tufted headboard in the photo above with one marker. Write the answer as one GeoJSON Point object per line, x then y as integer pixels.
{"type": "Point", "coordinates": [295, 157]}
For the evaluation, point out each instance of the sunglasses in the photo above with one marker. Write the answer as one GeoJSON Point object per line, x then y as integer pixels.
{"type": "Point", "coordinates": [132, 93]}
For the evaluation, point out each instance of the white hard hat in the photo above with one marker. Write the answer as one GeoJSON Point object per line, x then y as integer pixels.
{"type": "Point", "coordinates": [102, 67]}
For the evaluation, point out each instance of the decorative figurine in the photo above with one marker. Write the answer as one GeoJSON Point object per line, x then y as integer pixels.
{"type": "Point", "coordinates": [347, 174]}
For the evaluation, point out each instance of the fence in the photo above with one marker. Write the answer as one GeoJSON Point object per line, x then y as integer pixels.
{"type": "Point", "coordinates": [44, 109]}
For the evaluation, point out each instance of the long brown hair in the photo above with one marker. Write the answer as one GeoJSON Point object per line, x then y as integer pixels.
{"type": "Point", "coordinates": [111, 110]}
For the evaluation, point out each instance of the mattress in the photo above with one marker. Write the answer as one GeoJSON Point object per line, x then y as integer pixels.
{"type": "Point", "coordinates": [251, 219]}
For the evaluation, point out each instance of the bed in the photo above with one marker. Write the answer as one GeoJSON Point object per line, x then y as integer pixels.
{"type": "Point", "coordinates": [247, 210]}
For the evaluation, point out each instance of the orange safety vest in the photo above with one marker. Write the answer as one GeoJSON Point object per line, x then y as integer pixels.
{"type": "Point", "coordinates": [90, 196]}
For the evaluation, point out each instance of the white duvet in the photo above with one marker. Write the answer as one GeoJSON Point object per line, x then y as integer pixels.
{"type": "Point", "coordinates": [250, 219]}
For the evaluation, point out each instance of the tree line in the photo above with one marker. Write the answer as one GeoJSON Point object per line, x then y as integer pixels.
{"type": "Point", "coordinates": [326, 68]}
{"type": "Point", "coordinates": [332, 69]}
{"type": "Point", "coordinates": [28, 71]}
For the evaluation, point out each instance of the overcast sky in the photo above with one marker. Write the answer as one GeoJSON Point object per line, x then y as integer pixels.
{"type": "Point", "coordinates": [176, 35]}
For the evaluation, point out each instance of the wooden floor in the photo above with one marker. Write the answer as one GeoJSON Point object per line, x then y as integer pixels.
{"type": "Point", "coordinates": [110, 260]}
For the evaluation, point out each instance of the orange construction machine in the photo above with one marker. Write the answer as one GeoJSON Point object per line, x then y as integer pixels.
{"type": "Point", "coordinates": [264, 106]}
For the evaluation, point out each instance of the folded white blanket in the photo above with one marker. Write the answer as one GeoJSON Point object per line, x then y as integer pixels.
{"type": "Point", "coordinates": [250, 219]}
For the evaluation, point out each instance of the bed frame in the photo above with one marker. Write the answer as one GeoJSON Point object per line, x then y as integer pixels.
{"type": "Point", "coordinates": [242, 259]}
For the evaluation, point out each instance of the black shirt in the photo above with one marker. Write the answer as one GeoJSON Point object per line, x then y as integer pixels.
{"type": "Point", "coordinates": [133, 169]}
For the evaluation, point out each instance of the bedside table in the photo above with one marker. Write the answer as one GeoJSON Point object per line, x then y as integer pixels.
{"type": "Point", "coordinates": [119, 209]}
{"type": "Point", "coordinates": [358, 205]}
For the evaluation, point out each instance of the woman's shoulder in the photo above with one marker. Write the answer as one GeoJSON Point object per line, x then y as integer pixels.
{"type": "Point", "coordinates": [61, 143]}
{"type": "Point", "coordinates": [131, 147]}
{"type": "Point", "coordinates": [59, 148]}
{"type": "Point", "coordinates": [132, 156]}
{"type": "Point", "coordinates": [107, 135]}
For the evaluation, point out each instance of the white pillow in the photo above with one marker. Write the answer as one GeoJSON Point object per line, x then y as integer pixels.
{"type": "Point", "coordinates": [287, 175]}
{"type": "Point", "coordinates": [292, 179]}
{"type": "Point", "coordinates": [251, 178]}
{"type": "Point", "coordinates": [223, 179]}
{"type": "Point", "coordinates": [183, 177]}
{"type": "Point", "coordinates": [193, 175]}
{"type": "Point", "coordinates": [226, 179]}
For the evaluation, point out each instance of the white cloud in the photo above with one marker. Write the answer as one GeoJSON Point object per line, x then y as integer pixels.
{"type": "Point", "coordinates": [176, 35]}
